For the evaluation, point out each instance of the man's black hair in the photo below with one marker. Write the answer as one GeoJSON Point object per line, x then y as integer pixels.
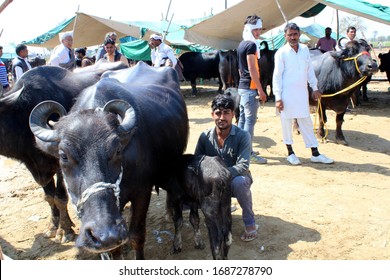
{"type": "Point", "coordinates": [292, 26]}
{"type": "Point", "coordinates": [109, 41]}
{"type": "Point", "coordinates": [80, 51]}
{"type": "Point", "coordinates": [222, 101]}
{"type": "Point", "coordinates": [252, 19]}
{"type": "Point", "coordinates": [20, 48]}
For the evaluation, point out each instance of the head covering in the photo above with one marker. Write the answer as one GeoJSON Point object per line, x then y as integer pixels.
{"type": "Point", "coordinates": [63, 35]}
{"type": "Point", "coordinates": [156, 37]}
{"type": "Point", "coordinates": [248, 36]}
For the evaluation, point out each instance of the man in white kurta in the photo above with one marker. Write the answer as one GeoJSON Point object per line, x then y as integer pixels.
{"type": "Point", "coordinates": [293, 71]}
{"type": "Point", "coordinates": [161, 54]}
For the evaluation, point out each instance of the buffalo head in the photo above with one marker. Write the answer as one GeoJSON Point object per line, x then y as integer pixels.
{"type": "Point", "coordinates": [358, 51]}
{"type": "Point", "coordinates": [89, 145]}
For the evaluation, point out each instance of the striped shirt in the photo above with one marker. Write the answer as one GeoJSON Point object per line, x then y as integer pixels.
{"type": "Point", "coordinates": [3, 74]}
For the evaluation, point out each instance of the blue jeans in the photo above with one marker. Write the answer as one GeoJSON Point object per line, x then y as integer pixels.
{"type": "Point", "coordinates": [249, 106]}
{"type": "Point", "coordinates": [241, 188]}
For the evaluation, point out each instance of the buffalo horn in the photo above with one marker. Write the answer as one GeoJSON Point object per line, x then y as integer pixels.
{"type": "Point", "coordinates": [124, 110]}
{"type": "Point", "coordinates": [39, 120]}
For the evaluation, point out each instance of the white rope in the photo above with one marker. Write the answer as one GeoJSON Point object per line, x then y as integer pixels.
{"type": "Point", "coordinates": [97, 187]}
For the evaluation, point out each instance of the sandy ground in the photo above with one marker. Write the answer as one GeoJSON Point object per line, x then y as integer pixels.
{"type": "Point", "coordinates": [306, 212]}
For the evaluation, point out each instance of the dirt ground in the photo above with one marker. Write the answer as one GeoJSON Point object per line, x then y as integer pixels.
{"type": "Point", "coordinates": [307, 212]}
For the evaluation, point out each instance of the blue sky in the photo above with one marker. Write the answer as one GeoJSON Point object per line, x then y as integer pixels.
{"type": "Point", "coordinates": [26, 19]}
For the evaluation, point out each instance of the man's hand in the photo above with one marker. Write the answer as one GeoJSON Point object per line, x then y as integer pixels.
{"type": "Point", "coordinates": [316, 95]}
{"type": "Point", "coordinates": [279, 105]}
{"type": "Point", "coordinates": [262, 95]}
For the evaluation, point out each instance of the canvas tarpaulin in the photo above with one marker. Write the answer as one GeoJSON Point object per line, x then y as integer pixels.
{"type": "Point", "coordinates": [224, 30]}
{"type": "Point", "coordinates": [88, 31]}
{"type": "Point", "coordinates": [361, 8]}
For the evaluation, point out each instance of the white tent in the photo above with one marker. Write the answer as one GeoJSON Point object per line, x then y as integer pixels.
{"type": "Point", "coordinates": [88, 31]}
{"type": "Point", "coordinates": [224, 30]}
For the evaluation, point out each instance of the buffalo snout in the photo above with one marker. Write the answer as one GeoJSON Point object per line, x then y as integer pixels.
{"type": "Point", "coordinates": [97, 237]}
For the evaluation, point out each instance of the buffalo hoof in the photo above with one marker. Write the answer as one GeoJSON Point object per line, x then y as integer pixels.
{"type": "Point", "coordinates": [342, 142]}
{"type": "Point", "coordinates": [64, 237]}
{"type": "Point", "coordinates": [175, 251]}
{"type": "Point", "coordinates": [199, 244]}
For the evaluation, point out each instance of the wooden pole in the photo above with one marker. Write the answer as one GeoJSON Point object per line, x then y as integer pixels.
{"type": "Point", "coordinates": [5, 4]}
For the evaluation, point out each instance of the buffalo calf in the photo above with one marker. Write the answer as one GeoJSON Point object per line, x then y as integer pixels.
{"type": "Point", "coordinates": [204, 183]}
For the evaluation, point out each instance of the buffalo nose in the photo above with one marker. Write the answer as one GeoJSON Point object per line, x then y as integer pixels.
{"type": "Point", "coordinates": [98, 238]}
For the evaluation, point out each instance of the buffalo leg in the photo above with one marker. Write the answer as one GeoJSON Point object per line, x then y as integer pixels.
{"type": "Point", "coordinates": [322, 119]}
{"type": "Point", "coordinates": [137, 229]}
{"type": "Point", "coordinates": [177, 215]}
{"type": "Point", "coordinates": [193, 87]}
{"type": "Point", "coordinates": [340, 139]}
{"type": "Point", "coordinates": [214, 222]}
{"type": "Point", "coordinates": [65, 232]}
{"type": "Point", "coordinates": [195, 221]}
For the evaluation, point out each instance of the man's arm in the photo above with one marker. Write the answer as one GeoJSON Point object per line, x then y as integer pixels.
{"type": "Point", "coordinates": [18, 72]}
{"type": "Point", "coordinates": [255, 77]}
{"type": "Point", "coordinates": [243, 155]}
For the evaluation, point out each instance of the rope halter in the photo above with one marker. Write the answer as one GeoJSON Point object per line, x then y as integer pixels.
{"type": "Point", "coordinates": [97, 187]}
{"type": "Point", "coordinates": [355, 59]}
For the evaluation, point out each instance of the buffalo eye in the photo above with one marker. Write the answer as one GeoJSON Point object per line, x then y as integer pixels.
{"type": "Point", "coordinates": [63, 156]}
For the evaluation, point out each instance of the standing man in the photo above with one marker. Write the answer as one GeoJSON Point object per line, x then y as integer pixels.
{"type": "Point", "coordinates": [351, 35]}
{"type": "Point", "coordinates": [293, 71]}
{"type": "Point", "coordinates": [161, 54]}
{"type": "Point", "coordinates": [63, 54]}
{"type": "Point", "coordinates": [3, 74]}
{"type": "Point", "coordinates": [20, 63]}
{"type": "Point", "coordinates": [233, 146]}
{"type": "Point", "coordinates": [327, 43]}
{"type": "Point", "coordinates": [249, 87]}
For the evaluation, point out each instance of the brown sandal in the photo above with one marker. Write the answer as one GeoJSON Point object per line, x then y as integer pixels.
{"type": "Point", "coordinates": [247, 236]}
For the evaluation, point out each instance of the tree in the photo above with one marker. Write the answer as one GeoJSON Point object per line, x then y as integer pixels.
{"type": "Point", "coordinates": [355, 21]}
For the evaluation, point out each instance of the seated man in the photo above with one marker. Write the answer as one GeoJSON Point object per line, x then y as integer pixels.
{"type": "Point", "coordinates": [233, 145]}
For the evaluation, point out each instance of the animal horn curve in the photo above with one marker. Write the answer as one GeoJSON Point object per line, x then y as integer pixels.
{"type": "Point", "coordinates": [39, 118]}
{"type": "Point", "coordinates": [124, 110]}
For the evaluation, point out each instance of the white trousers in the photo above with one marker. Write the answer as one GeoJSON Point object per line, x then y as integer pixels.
{"type": "Point", "coordinates": [305, 128]}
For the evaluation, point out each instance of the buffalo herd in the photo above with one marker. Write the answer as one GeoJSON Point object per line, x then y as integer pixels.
{"type": "Point", "coordinates": [112, 134]}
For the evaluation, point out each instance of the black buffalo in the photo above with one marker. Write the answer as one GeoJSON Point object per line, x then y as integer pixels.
{"type": "Point", "coordinates": [385, 64]}
{"type": "Point", "coordinates": [228, 69]}
{"type": "Point", "coordinates": [205, 183]}
{"type": "Point", "coordinates": [336, 71]}
{"type": "Point", "coordinates": [123, 135]}
{"type": "Point", "coordinates": [267, 66]}
{"type": "Point", "coordinates": [17, 141]}
{"type": "Point", "coordinates": [200, 65]}
{"type": "Point", "coordinates": [37, 61]}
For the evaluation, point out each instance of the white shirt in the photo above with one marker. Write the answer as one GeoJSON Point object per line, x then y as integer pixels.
{"type": "Point", "coordinates": [19, 70]}
{"type": "Point", "coordinates": [160, 53]}
{"type": "Point", "coordinates": [293, 70]}
{"type": "Point", "coordinates": [60, 55]}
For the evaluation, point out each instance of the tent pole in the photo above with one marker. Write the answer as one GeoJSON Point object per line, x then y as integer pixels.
{"type": "Point", "coordinates": [166, 31]}
{"type": "Point", "coordinates": [338, 27]}
{"type": "Point", "coordinates": [75, 21]}
{"type": "Point", "coordinates": [169, 6]}
{"type": "Point", "coordinates": [281, 11]}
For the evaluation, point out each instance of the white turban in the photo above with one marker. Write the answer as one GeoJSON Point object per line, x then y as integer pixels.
{"type": "Point", "coordinates": [156, 37]}
{"type": "Point", "coordinates": [63, 35]}
{"type": "Point", "coordinates": [247, 33]}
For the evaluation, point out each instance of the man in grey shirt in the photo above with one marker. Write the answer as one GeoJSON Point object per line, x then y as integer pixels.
{"type": "Point", "coordinates": [233, 145]}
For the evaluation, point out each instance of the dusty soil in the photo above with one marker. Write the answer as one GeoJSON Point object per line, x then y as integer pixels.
{"type": "Point", "coordinates": [305, 212]}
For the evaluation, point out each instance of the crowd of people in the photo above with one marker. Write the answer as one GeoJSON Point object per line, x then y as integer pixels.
{"type": "Point", "coordinates": [232, 143]}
